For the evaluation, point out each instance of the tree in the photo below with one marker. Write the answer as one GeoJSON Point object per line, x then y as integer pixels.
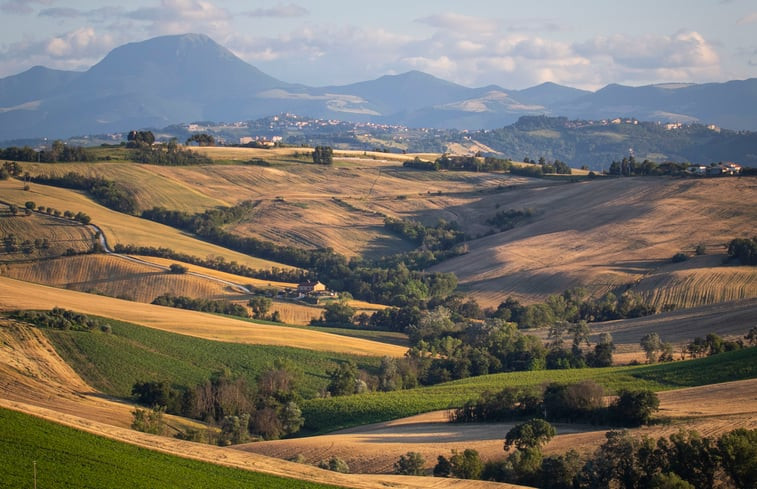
{"type": "Point", "coordinates": [234, 430]}
{"type": "Point", "coordinates": [466, 465]}
{"type": "Point", "coordinates": [177, 268]}
{"type": "Point", "coordinates": [323, 155]}
{"type": "Point", "coordinates": [738, 452]}
{"type": "Point", "coordinates": [559, 471]}
{"type": "Point", "coordinates": [30, 205]}
{"type": "Point", "coordinates": [201, 139]}
{"type": "Point", "coordinates": [442, 467]}
{"type": "Point", "coordinates": [343, 379]}
{"type": "Point", "coordinates": [531, 434]}
{"type": "Point", "coordinates": [651, 344]}
{"type": "Point", "coordinates": [148, 420]}
{"type": "Point", "coordinates": [338, 314]}
{"type": "Point", "coordinates": [335, 464]}
{"type": "Point", "coordinates": [669, 481]}
{"type": "Point", "coordinates": [410, 464]}
{"type": "Point", "coordinates": [138, 139]}
{"type": "Point", "coordinates": [635, 407]}
{"type": "Point", "coordinates": [260, 306]}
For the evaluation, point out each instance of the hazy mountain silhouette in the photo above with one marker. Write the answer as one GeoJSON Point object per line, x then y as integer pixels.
{"type": "Point", "coordinates": [186, 78]}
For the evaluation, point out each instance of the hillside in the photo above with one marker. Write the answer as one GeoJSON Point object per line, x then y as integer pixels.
{"type": "Point", "coordinates": [608, 234]}
{"type": "Point", "coordinates": [24, 295]}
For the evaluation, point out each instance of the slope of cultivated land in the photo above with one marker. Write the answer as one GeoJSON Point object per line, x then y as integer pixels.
{"type": "Point", "coordinates": [116, 277]}
{"type": "Point", "coordinates": [730, 320]}
{"type": "Point", "coordinates": [148, 187]}
{"type": "Point", "coordinates": [711, 410]}
{"type": "Point", "coordinates": [701, 280]}
{"type": "Point", "coordinates": [229, 277]}
{"type": "Point", "coordinates": [121, 228]}
{"type": "Point", "coordinates": [61, 234]}
{"type": "Point", "coordinates": [23, 295]}
{"type": "Point", "coordinates": [601, 235]}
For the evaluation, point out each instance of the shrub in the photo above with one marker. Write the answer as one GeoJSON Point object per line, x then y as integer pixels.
{"type": "Point", "coordinates": [410, 464]}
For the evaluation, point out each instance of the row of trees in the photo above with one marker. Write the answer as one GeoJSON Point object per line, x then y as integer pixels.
{"type": "Point", "coordinates": [107, 192]}
{"type": "Point", "coordinates": [628, 167]}
{"type": "Point", "coordinates": [488, 164]}
{"type": "Point", "coordinates": [64, 319]}
{"type": "Point", "coordinates": [683, 460]}
{"type": "Point", "coordinates": [580, 402]}
{"type": "Point", "coordinates": [744, 250]}
{"type": "Point", "coordinates": [204, 305]}
{"type": "Point", "coordinates": [58, 152]}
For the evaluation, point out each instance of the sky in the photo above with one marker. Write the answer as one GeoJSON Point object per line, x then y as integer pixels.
{"type": "Point", "coordinates": [514, 44]}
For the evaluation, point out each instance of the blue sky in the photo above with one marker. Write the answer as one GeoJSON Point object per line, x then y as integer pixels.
{"type": "Point", "coordinates": [514, 44]}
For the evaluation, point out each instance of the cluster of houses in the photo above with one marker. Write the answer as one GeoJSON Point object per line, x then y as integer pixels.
{"type": "Point", "coordinates": [715, 170]}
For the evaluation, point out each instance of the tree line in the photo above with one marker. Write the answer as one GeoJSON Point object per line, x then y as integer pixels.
{"type": "Point", "coordinates": [107, 192]}
{"type": "Point", "coordinates": [204, 305]}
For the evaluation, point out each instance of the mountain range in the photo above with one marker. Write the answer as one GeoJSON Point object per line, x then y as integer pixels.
{"type": "Point", "coordinates": [187, 78]}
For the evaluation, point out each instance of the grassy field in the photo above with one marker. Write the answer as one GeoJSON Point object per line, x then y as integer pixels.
{"type": "Point", "coordinates": [65, 457]}
{"type": "Point", "coordinates": [323, 415]}
{"type": "Point", "coordinates": [112, 363]}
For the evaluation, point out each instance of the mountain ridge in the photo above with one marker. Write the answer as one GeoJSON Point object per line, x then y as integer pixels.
{"type": "Point", "coordinates": [185, 78]}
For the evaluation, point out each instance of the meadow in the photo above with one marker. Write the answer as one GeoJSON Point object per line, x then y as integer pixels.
{"type": "Point", "coordinates": [113, 363]}
{"type": "Point", "coordinates": [65, 457]}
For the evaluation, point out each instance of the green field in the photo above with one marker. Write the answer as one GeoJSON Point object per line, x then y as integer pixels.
{"type": "Point", "coordinates": [324, 415]}
{"type": "Point", "coordinates": [112, 363]}
{"type": "Point", "coordinates": [67, 458]}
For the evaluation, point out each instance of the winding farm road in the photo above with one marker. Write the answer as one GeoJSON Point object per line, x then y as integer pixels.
{"type": "Point", "coordinates": [104, 243]}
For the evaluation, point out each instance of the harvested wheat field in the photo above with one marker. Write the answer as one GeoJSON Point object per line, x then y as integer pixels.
{"type": "Point", "coordinates": [149, 188]}
{"type": "Point", "coordinates": [702, 281]}
{"type": "Point", "coordinates": [122, 228]}
{"type": "Point", "coordinates": [15, 294]}
{"type": "Point", "coordinates": [711, 410]}
{"type": "Point", "coordinates": [599, 234]}
{"type": "Point", "coordinates": [35, 380]}
{"type": "Point", "coordinates": [61, 234]}
{"type": "Point", "coordinates": [115, 276]}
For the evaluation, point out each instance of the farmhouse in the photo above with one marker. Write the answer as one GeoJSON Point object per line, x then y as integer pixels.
{"type": "Point", "coordinates": [306, 288]}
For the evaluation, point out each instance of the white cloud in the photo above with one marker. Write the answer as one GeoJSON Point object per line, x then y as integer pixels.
{"type": "Point", "coordinates": [458, 23]}
{"type": "Point", "coordinates": [750, 18]}
{"type": "Point", "coordinates": [280, 10]}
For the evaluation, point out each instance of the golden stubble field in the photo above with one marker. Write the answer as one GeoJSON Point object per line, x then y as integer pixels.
{"type": "Point", "coordinates": [15, 294]}
{"type": "Point", "coordinates": [121, 228]}
{"type": "Point", "coordinates": [611, 233]}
